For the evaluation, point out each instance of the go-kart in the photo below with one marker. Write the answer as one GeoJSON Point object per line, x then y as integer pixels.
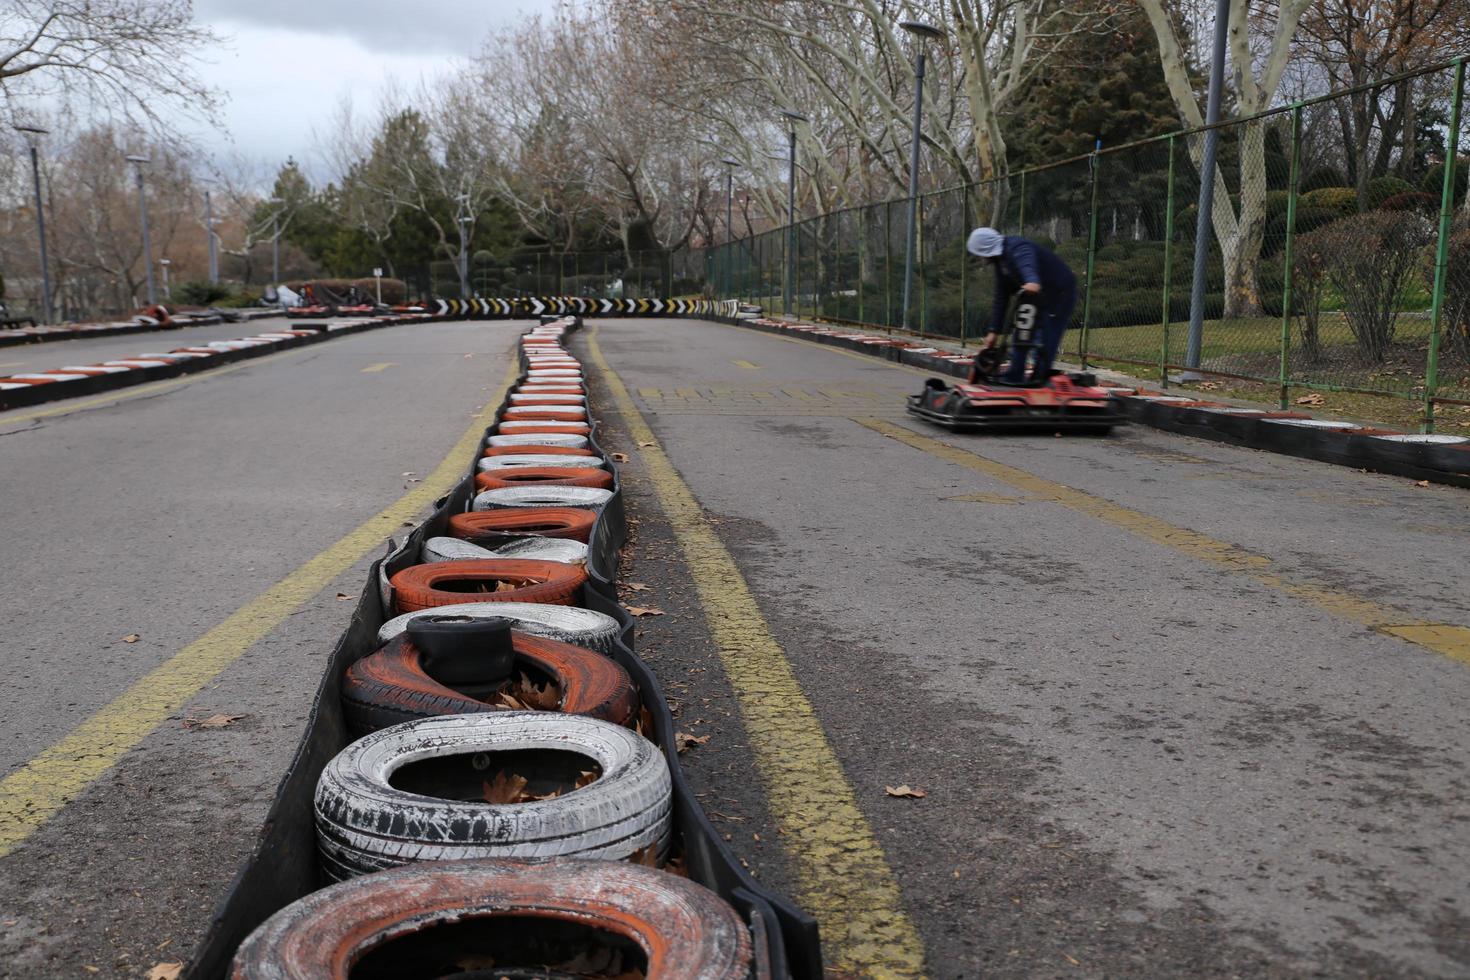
{"type": "Point", "coordinates": [1057, 402]}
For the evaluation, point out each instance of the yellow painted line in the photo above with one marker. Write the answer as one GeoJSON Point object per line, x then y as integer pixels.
{"type": "Point", "coordinates": [125, 394]}
{"type": "Point", "coordinates": [7, 364]}
{"type": "Point", "coordinates": [37, 790]}
{"type": "Point", "coordinates": [375, 368]}
{"type": "Point", "coordinates": [843, 876]}
{"type": "Point", "coordinates": [1443, 638]}
{"type": "Point", "coordinates": [747, 365]}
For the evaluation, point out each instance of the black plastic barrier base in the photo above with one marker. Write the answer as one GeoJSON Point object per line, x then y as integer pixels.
{"type": "Point", "coordinates": [282, 867]}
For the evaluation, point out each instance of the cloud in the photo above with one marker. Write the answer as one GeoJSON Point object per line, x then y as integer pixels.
{"type": "Point", "coordinates": [387, 26]}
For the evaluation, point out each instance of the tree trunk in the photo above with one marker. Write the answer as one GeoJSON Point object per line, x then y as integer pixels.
{"type": "Point", "coordinates": [1243, 254]}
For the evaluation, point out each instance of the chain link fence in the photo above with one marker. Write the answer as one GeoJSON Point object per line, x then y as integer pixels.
{"type": "Point", "coordinates": [1326, 268]}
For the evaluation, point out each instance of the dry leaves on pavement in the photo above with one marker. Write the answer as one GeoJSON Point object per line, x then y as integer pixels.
{"type": "Point", "coordinates": [644, 611]}
{"type": "Point", "coordinates": [683, 740]}
{"type": "Point", "coordinates": [619, 457]}
{"type": "Point", "coordinates": [637, 587]}
{"type": "Point", "coordinates": [132, 638]}
{"type": "Point", "coordinates": [166, 971]}
{"type": "Point", "coordinates": [213, 721]}
{"type": "Point", "coordinates": [1312, 399]}
{"type": "Point", "coordinates": [906, 792]}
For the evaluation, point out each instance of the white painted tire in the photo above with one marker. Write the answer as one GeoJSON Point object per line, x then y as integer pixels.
{"type": "Point", "coordinates": [585, 497]}
{"type": "Point", "coordinates": [488, 463]}
{"type": "Point", "coordinates": [575, 413]}
{"type": "Point", "coordinates": [510, 427]}
{"type": "Point", "coordinates": [569, 624]}
{"type": "Point", "coordinates": [527, 548]}
{"type": "Point", "coordinates": [571, 440]}
{"type": "Point", "coordinates": [532, 398]}
{"type": "Point", "coordinates": [365, 824]}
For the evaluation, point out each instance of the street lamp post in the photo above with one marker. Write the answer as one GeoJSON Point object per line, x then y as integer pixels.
{"type": "Point", "coordinates": [924, 32]}
{"type": "Point", "coordinates": [793, 118]}
{"type": "Point", "coordinates": [167, 293]}
{"type": "Point", "coordinates": [213, 243]}
{"type": "Point", "coordinates": [138, 162]}
{"type": "Point", "coordinates": [464, 220]}
{"type": "Point", "coordinates": [33, 136]}
{"type": "Point", "coordinates": [1206, 207]}
{"type": "Point", "coordinates": [729, 220]}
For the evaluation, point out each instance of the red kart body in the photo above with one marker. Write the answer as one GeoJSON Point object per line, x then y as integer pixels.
{"type": "Point", "coordinates": [1061, 403]}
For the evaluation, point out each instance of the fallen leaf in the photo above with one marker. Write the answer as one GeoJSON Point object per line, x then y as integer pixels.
{"type": "Point", "coordinates": [506, 787]}
{"type": "Point", "coordinates": [619, 457]}
{"type": "Point", "coordinates": [166, 971]}
{"type": "Point", "coordinates": [343, 595]}
{"type": "Point", "coordinates": [1069, 959]}
{"type": "Point", "coordinates": [91, 969]}
{"type": "Point", "coordinates": [646, 445]}
{"type": "Point", "coordinates": [132, 638]}
{"type": "Point", "coordinates": [409, 473]}
{"type": "Point", "coordinates": [644, 611]}
{"type": "Point", "coordinates": [905, 792]}
{"type": "Point", "coordinates": [1312, 399]}
{"type": "Point", "coordinates": [468, 356]}
{"type": "Point", "coordinates": [641, 587]}
{"type": "Point", "coordinates": [1421, 483]}
{"type": "Point", "coordinates": [213, 721]}
{"type": "Point", "coordinates": [1208, 385]}
{"type": "Point", "coordinates": [682, 740]}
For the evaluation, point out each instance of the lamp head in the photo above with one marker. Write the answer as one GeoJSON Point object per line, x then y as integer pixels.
{"type": "Point", "coordinates": [140, 160]}
{"type": "Point", "coordinates": [921, 30]}
{"type": "Point", "coordinates": [32, 130]}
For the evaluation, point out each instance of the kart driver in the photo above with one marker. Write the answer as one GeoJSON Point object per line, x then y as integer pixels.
{"type": "Point", "coordinates": [1022, 265]}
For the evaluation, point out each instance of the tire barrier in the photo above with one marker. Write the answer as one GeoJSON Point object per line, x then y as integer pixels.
{"type": "Point", "coordinates": [416, 792]}
{"type": "Point", "coordinates": [46, 333]}
{"type": "Point", "coordinates": [505, 460]}
{"type": "Point", "coordinates": [448, 583]}
{"type": "Point", "coordinates": [38, 387]}
{"type": "Point", "coordinates": [569, 624]}
{"type": "Point", "coordinates": [678, 928]}
{"type": "Point", "coordinates": [548, 522]}
{"type": "Point", "coordinates": [493, 780]}
{"type": "Point", "coordinates": [397, 683]}
{"type": "Point", "coordinates": [541, 497]}
{"type": "Point", "coordinates": [542, 476]}
{"type": "Point", "coordinates": [521, 307]}
{"type": "Point", "coordinates": [1437, 458]}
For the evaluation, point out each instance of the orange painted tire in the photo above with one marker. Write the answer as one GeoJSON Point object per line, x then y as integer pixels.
{"type": "Point", "coordinates": [546, 413]}
{"type": "Point", "coordinates": [447, 583]}
{"type": "Point", "coordinates": [392, 686]}
{"type": "Point", "coordinates": [539, 428]}
{"type": "Point", "coordinates": [572, 523]}
{"type": "Point", "coordinates": [543, 450]}
{"type": "Point", "coordinates": [543, 476]}
{"type": "Point", "coordinates": [380, 921]}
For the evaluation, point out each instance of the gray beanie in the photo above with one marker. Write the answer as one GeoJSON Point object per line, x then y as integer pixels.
{"type": "Point", "coordinates": [985, 242]}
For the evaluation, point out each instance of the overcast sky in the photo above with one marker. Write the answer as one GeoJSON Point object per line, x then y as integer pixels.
{"type": "Point", "coordinates": [286, 64]}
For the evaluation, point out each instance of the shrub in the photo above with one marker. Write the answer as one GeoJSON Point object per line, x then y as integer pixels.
{"type": "Point", "coordinates": [1369, 261]}
{"type": "Point", "coordinates": [1411, 201]}
{"type": "Point", "coordinates": [201, 292]}
{"type": "Point", "coordinates": [1323, 177]}
{"type": "Point", "coordinates": [1381, 189]}
{"type": "Point", "coordinates": [1456, 323]}
{"type": "Point", "coordinates": [1343, 200]}
{"type": "Point", "coordinates": [1308, 276]}
{"type": "Point", "coordinates": [1433, 182]}
{"type": "Point", "coordinates": [394, 290]}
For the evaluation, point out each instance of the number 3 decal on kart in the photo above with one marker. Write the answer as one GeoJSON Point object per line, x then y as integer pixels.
{"type": "Point", "coordinates": [1025, 317]}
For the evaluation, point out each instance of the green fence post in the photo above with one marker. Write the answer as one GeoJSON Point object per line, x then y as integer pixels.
{"type": "Point", "coordinates": [862, 254]}
{"type": "Point", "coordinates": [1168, 270]}
{"type": "Point", "coordinates": [1091, 251]}
{"type": "Point", "coordinates": [964, 263]}
{"type": "Point", "coordinates": [1287, 254]}
{"type": "Point", "coordinates": [796, 272]}
{"type": "Point", "coordinates": [888, 266]}
{"type": "Point", "coordinates": [919, 268]}
{"type": "Point", "coordinates": [1442, 248]}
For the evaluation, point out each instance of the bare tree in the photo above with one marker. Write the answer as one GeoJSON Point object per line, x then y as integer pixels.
{"type": "Point", "coordinates": [1260, 40]}
{"type": "Point", "coordinates": [123, 58]}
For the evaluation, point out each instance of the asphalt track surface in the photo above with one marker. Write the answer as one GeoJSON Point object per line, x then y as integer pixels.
{"type": "Point", "coordinates": [1131, 675]}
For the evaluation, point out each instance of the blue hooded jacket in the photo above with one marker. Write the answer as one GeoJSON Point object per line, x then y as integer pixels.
{"type": "Point", "coordinates": [1022, 261]}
